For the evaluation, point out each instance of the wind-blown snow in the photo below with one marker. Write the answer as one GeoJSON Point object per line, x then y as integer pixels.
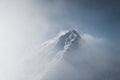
{"type": "Point", "coordinates": [88, 61]}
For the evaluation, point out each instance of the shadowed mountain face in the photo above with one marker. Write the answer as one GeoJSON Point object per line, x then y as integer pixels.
{"type": "Point", "coordinates": [70, 39]}
{"type": "Point", "coordinates": [70, 42]}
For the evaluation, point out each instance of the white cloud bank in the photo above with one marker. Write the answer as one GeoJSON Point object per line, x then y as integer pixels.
{"type": "Point", "coordinates": [23, 24]}
{"type": "Point", "coordinates": [93, 61]}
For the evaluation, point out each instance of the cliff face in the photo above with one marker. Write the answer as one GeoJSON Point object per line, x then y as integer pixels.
{"type": "Point", "coordinates": [69, 40]}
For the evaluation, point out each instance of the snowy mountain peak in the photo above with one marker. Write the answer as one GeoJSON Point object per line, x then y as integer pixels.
{"type": "Point", "coordinates": [69, 39]}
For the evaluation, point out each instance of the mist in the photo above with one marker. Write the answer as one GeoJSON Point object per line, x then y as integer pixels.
{"type": "Point", "coordinates": [26, 24]}
{"type": "Point", "coordinates": [92, 62]}
{"type": "Point", "coordinates": [18, 32]}
{"type": "Point", "coordinates": [23, 25]}
{"type": "Point", "coordinates": [94, 59]}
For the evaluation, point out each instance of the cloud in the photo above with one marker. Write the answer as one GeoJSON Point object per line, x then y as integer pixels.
{"type": "Point", "coordinates": [25, 24]}
{"type": "Point", "coordinates": [92, 62]}
{"type": "Point", "coordinates": [21, 26]}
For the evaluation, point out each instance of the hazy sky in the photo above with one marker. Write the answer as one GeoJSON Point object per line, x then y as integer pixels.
{"type": "Point", "coordinates": [99, 17]}
{"type": "Point", "coordinates": [28, 22]}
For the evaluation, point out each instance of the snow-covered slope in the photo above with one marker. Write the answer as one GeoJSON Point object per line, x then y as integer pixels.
{"type": "Point", "coordinates": [69, 40]}
{"type": "Point", "coordinates": [50, 53]}
{"type": "Point", "coordinates": [68, 56]}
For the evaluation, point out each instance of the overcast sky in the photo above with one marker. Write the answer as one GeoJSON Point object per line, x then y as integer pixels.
{"type": "Point", "coordinates": [99, 17]}
{"type": "Point", "coordinates": [24, 23]}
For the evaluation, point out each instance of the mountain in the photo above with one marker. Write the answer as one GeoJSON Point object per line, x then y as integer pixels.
{"type": "Point", "coordinates": [51, 53]}
{"type": "Point", "coordinates": [68, 56]}
{"type": "Point", "coordinates": [71, 57]}
{"type": "Point", "coordinates": [61, 51]}
{"type": "Point", "coordinates": [68, 40]}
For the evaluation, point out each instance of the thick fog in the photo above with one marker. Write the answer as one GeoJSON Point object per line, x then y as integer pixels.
{"type": "Point", "coordinates": [24, 27]}
{"type": "Point", "coordinates": [94, 59]}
